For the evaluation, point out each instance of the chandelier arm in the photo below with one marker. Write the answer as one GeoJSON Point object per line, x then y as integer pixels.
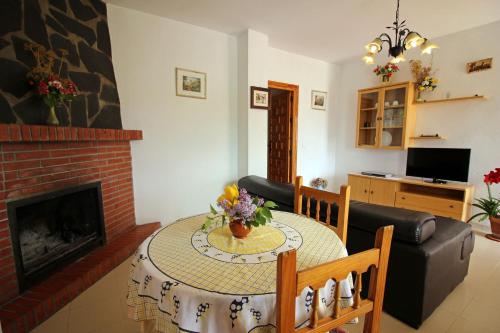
{"type": "Point", "coordinates": [404, 32]}
{"type": "Point", "coordinates": [388, 40]}
{"type": "Point", "coordinates": [407, 32]}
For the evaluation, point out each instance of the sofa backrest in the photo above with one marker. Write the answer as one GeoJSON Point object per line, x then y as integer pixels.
{"type": "Point", "coordinates": [409, 226]}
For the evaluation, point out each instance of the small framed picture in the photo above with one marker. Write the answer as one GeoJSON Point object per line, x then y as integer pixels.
{"type": "Point", "coordinates": [318, 100]}
{"type": "Point", "coordinates": [190, 83]}
{"type": "Point", "coordinates": [479, 65]}
{"type": "Point", "coordinates": [259, 98]}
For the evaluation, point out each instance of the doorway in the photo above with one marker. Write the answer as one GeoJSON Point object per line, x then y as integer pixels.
{"type": "Point", "coordinates": [282, 132]}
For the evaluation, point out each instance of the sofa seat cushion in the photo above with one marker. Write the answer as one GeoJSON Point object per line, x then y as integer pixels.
{"type": "Point", "coordinates": [409, 226]}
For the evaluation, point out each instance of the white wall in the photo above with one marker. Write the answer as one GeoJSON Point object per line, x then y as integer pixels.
{"type": "Point", "coordinates": [316, 133]}
{"type": "Point", "coordinates": [468, 124]}
{"type": "Point", "coordinates": [189, 151]}
{"type": "Point", "coordinates": [193, 147]}
{"type": "Point", "coordinates": [316, 138]}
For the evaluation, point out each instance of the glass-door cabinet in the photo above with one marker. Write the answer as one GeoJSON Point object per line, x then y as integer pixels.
{"type": "Point", "coordinates": [386, 118]}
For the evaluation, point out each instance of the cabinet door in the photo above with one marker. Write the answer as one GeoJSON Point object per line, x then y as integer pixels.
{"type": "Point", "coordinates": [393, 118]}
{"type": "Point", "coordinates": [383, 192]}
{"type": "Point", "coordinates": [368, 113]}
{"type": "Point", "coordinates": [360, 187]}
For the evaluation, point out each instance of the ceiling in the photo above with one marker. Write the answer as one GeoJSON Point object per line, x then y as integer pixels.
{"type": "Point", "coordinates": [330, 30]}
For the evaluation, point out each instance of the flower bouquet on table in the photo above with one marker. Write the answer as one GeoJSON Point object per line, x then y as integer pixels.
{"type": "Point", "coordinates": [490, 207]}
{"type": "Point", "coordinates": [241, 210]}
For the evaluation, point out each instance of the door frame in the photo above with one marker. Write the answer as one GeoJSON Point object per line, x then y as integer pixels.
{"type": "Point", "coordinates": [294, 89]}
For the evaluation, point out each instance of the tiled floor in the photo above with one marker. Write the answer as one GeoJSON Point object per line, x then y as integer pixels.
{"type": "Point", "coordinates": [100, 309]}
{"type": "Point", "coordinates": [474, 306]}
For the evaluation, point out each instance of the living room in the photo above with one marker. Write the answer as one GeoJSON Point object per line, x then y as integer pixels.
{"type": "Point", "coordinates": [174, 101]}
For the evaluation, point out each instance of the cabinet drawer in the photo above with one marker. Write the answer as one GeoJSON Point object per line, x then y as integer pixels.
{"type": "Point", "coordinates": [456, 216]}
{"type": "Point", "coordinates": [440, 206]}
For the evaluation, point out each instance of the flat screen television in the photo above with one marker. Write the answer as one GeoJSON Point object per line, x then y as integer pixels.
{"type": "Point", "coordinates": [439, 164]}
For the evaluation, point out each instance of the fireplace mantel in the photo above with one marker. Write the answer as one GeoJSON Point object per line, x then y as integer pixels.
{"type": "Point", "coordinates": [39, 133]}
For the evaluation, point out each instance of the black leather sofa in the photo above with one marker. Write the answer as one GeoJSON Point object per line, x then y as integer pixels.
{"type": "Point", "coordinates": [429, 255]}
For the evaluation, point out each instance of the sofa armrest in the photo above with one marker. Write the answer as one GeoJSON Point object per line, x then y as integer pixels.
{"type": "Point", "coordinates": [409, 226]}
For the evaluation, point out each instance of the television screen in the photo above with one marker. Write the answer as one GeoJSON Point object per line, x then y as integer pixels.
{"type": "Point", "coordinates": [439, 163]}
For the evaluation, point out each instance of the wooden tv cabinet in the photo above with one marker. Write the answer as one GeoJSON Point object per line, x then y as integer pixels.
{"type": "Point", "coordinates": [448, 200]}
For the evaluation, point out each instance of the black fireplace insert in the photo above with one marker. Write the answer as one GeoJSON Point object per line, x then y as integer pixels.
{"type": "Point", "coordinates": [51, 230]}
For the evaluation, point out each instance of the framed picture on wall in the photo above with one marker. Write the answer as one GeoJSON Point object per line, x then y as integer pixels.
{"type": "Point", "coordinates": [190, 83]}
{"type": "Point", "coordinates": [259, 98]}
{"type": "Point", "coordinates": [318, 100]}
{"type": "Point", "coordinates": [479, 65]}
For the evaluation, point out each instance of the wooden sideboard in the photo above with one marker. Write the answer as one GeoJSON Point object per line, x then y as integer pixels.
{"type": "Point", "coordinates": [448, 200]}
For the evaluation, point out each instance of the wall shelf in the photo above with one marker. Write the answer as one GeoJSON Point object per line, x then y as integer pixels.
{"type": "Point", "coordinates": [427, 138]}
{"type": "Point", "coordinates": [455, 99]}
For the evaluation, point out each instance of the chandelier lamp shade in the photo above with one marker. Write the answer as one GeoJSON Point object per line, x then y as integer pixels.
{"type": "Point", "coordinates": [404, 39]}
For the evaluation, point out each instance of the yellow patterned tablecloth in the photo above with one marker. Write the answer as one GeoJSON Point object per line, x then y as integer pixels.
{"type": "Point", "coordinates": [188, 280]}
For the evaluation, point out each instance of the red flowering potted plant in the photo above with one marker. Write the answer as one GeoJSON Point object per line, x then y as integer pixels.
{"type": "Point", "coordinates": [490, 206]}
{"type": "Point", "coordinates": [386, 71]}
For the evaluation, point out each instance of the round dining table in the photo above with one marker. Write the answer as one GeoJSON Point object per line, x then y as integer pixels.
{"type": "Point", "coordinates": [185, 279]}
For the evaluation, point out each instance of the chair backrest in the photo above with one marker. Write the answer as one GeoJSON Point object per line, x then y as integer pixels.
{"type": "Point", "coordinates": [341, 199]}
{"type": "Point", "coordinates": [290, 283]}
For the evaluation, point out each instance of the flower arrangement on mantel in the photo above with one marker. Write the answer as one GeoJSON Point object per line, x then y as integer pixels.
{"type": "Point", "coordinates": [423, 76]}
{"type": "Point", "coordinates": [241, 210]}
{"type": "Point", "coordinates": [490, 207]}
{"type": "Point", "coordinates": [386, 71]}
{"type": "Point", "coordinates": [49, 86]}
{"type": "Point", "coordinates": [320, 183]}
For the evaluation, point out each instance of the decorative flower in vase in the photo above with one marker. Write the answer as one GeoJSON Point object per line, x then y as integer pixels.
{"type": "Point", "coordinates": [320, 183]}
{"type": "Point", "coordinates": [423, 76]}
{"type": "Point", "coordinates": [386, 71]}
{"type": "Point", "coordinates": [48, 85]}
{"type": "Point", "coordinates": [241, 209]}
{"type": "Point", "coordinates": [490, 207]}
{"type": "Point", "coordinates": [428, 84]}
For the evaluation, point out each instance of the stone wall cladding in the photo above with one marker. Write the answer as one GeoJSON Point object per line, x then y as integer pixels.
{"type": "Point", "coordinates": [78, 26]}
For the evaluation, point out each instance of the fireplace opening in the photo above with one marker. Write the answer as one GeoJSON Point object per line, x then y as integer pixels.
{"type": "Point", "coordinates": [54, 229]}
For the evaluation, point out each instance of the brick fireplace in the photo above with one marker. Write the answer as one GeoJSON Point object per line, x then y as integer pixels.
{"type": "Point", "coordinates": [40, 159]}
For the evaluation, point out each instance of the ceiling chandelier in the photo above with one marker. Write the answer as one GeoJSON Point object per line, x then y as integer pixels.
{"type": "Point", "coordinates": [404, 39]}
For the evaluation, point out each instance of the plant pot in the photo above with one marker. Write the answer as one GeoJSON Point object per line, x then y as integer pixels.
{"type": "Point", "coordinates": [238, 229]}
{"type": "Point", "coordinates": [495, 228]}
{"type": "Point", "coordinates": [52, 118]}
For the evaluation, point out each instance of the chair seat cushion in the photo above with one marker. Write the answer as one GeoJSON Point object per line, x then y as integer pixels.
{"type": "Point", "coordinates": [409, 226]}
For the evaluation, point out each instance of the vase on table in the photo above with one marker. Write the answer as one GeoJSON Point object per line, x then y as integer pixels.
{"type": "Point", "coordinates": [52, 117]}
{"type": "Point", "coordinates": [386, 78]}
{"type": "Point", "coordinates": [495, 228]}
{"type": "Point", "coordinates": [239, 229]}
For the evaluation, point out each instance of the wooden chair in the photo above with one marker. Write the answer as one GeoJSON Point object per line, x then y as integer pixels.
{"type": "Point", "coordinates": [342, 201]}
{"type": "Point", "coordinates": [290, 283]}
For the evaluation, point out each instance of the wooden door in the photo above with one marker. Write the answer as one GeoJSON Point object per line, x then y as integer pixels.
{"type": "Point", "coordinates": [279, 136]}
{"type": "Point", "coordinates": [360, 188]}
{"type": "Point", "coordinates": [383, 192]}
